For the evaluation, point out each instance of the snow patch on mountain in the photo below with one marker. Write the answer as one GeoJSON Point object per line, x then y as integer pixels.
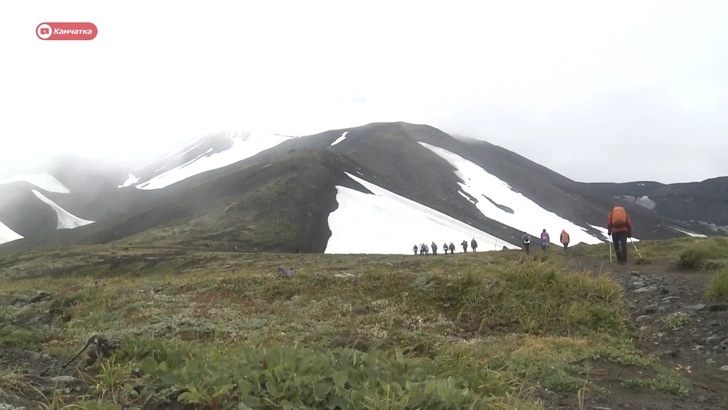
{"type": "Point", "coordinates": [66, 220]}
{"type": "Point", "coordinates": [129, 181]}
{"type": "Point", "coordinates": [341, 138]}
{"type": "Point", "coordinates": [7, 234]}
{"type": "Point", "coordinates": [245, 145]}
{"type": "Point", "coordinates": [688, 233]}
{"type": "Point", "coordinates": [43, 181]}
{"type": "Point", "coordinates": [605, 232]}
{"type": "Point", "coordinates": [386, 223]}
{"type": "Point", "coordinates": [527, 216]}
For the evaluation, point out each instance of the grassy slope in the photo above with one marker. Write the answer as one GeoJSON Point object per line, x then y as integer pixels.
{"type": "Point", "coordinates": [489, 323]}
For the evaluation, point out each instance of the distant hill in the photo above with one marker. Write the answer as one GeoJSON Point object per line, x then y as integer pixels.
{"type": "Point", "coordinates": [377, 188]}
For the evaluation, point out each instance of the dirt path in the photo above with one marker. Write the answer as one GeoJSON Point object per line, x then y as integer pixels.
{"type": "Point", "coordinates": [698, 349]}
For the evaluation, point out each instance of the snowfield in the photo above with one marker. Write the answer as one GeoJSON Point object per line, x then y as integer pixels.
{"type": "Point", "coordinates": [341, 138]}
{"type": "Point", "coordinates": [7, 234]}
{"type": "Point", "coordinates": [66, 220]}
{"type": "Point", "coordinates": [604, 232]}
{"type": "Point", "coordinates": [386, 223]}
{"type": "Point", "coordinates": [43, 181]}
{"type": "Point", "coordinates": [688, 233]}
{"type": "Point", "coordinates": [244, 146]}
{"type": "Point", "coordinates": [527, 216]}
{"type": "Point", "coordinates": [130, 181]}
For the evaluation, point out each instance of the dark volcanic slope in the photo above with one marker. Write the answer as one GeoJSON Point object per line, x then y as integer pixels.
{"type": "Point", "coordinates": [280, 198]}
{"type": "Point", "coordinates": [23, 212]}
{"type": "Point", "coordinates": [705, 201]}
{"type": "Point", "coordinates": [280, 205]}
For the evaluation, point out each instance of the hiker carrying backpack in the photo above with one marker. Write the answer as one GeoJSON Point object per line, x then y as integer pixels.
{"type": "Point", "coordinates": [545, 239]}
{"type": "Point", "coordinates": [565, 239]}
{"type": "Point", "coordinates": [474, 244]}
{"type": "Point", "coordinates": [619, 227]}
{"type": "Point", "coordinates": [526, 239]}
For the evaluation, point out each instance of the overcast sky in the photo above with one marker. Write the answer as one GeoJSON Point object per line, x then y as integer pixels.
{"type": "Point", "coordinates": [616, 91]}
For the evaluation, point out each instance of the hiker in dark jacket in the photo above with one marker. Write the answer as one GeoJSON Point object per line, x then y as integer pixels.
{"type": "Point", "coordinates": [474, 245]}
{"type": "Point", "coordinates": [427, 249]}
{"type": "Point", "coordinates": [422, 249]}
{"type": "Point", "coordinates": [545, 240]}
{"type": "Point", "coordinates": [444, 247]}
{"type": "Point", "coordinates": [434, 248]}
{"type": "Point", "coordinates": [414, 248]}
{"type": "Point", "coordinates": [526, 239]}
{"type": "Point", "coordinates": [452, 248]}
{"type": "Point", "coordinates": [464, 244]}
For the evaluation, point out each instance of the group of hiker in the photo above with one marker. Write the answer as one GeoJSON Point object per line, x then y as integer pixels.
{"type": "Point", "coordinates": [546, 240]}
{"type": "Point", "coordinates": [619, 227]}
{"type": "Point", "coordinates": [424, 249]}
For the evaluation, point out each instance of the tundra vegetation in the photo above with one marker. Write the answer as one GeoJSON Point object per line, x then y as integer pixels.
{"type": "Point", "coordinates": [222, 330]}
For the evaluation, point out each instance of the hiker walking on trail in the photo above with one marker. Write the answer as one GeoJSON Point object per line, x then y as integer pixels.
{"type": "Point", "coordinates": [619, 227]}
{"type": "Point", "coordinates": [427, 249]}
{"type": "Point", "coordinates": [434, 248]}
{"type": "Point", "coordinates": [444, 247]}
{"type": "Point", "coordinates": [414, 248]}
{"type": "Point", "coordinates": [474, 245]}
{"type": "Point", "coordinates": [464, 244]}
{"type": "Point", "coordinates": [565, 239]}
{"type": "Point", "coordinates": [526, 239]}
{"type": "Point", "coordinates": [422, 249]}
{"type": "Point", "coordinates": [452, 248]}
{"type": "Point", "coordinates": [545, 240]}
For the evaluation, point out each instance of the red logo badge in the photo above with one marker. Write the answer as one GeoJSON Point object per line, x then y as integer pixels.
{"type": "Point", "coordinates": [66, 31]}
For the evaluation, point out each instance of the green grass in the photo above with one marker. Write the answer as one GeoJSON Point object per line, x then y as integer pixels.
{"type": "Point", "coordinates": [207, 328]}
{"type": "Point", "coordinates": [718, 287]}
{"type": "Point", "coordinates": [690, 253]}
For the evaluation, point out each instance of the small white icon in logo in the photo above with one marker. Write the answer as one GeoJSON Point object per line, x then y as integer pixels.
{"type": "Point", "coordinates": [44, 31]}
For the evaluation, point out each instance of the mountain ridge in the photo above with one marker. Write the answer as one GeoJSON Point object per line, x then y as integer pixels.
{"type": "Point", "coordinates": [229, 202]}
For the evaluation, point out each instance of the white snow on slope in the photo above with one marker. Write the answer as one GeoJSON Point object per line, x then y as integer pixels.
{"type": "Point", "coordinates": [43, 181]}
{"type": "Point", "coordinates": [604, 232]}
{"type": "Point", "coordinates": [240, 150]}
{"type": "Point", "coordinates": [688, 233]}
{"type": "Point", "coordinates": [7, 234]}
{"type": "Point", "coordinates": [527, 216]}
{"type": "Point", "coordinates": [129, 181]}
{"type": "Point", "coordinates": [386, 223]}
{"type": "Point", "coordinates": [66, 220]}
{"type": "Point", "coordinates": [341, 138]}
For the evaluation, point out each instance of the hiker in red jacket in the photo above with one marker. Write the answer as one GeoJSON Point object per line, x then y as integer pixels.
{"type": "Point", "coordinates": [619, 227]}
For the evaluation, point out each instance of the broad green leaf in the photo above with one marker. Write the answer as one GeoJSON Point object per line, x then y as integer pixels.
{"type": "Point", "coordinates": [148, 365]}
{"type": "Point", "coordinates": [321, 390]}
{"type": "Point", "coordinates": [341, 377]}
{"type": "Point", "coordinates": [223, 390]}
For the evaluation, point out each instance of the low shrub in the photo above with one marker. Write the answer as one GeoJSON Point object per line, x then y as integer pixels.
{"type": "Point", "coordinates": [718, 287]}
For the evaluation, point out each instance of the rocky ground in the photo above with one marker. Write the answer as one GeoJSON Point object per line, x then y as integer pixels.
{"type": "Point", "coordinates": [675, 325]}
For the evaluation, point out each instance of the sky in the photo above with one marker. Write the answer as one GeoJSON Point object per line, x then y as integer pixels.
{"type": "Point", "coordinates": [617, 91]}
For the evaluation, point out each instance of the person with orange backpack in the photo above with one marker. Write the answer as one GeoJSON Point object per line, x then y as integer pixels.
{"type": "Point", "coordinates": [565, 239]}
{"type": "Point", "coordinates": [619, 227]}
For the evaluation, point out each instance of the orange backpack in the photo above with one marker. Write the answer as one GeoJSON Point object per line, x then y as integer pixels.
{"type": "Point", "coordinates": [619, 217]}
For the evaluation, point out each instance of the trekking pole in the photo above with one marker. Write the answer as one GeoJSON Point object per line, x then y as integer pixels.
{"type": "Point", "coordinates": [610, 251]}
{"type": "Point", "coordinates": [635, 248]}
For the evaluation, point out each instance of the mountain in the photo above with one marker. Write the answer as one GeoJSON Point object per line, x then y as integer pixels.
{"type": "Point", "coordinates": [210, 152]}
{"type": "Point", "coordinates": [702, 203]}
{"type": "Point", "coordinates": [377, 188]}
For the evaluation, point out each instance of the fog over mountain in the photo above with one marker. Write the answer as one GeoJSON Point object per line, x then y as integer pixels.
{"type": "Point", "coordinates": [566, 84]}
